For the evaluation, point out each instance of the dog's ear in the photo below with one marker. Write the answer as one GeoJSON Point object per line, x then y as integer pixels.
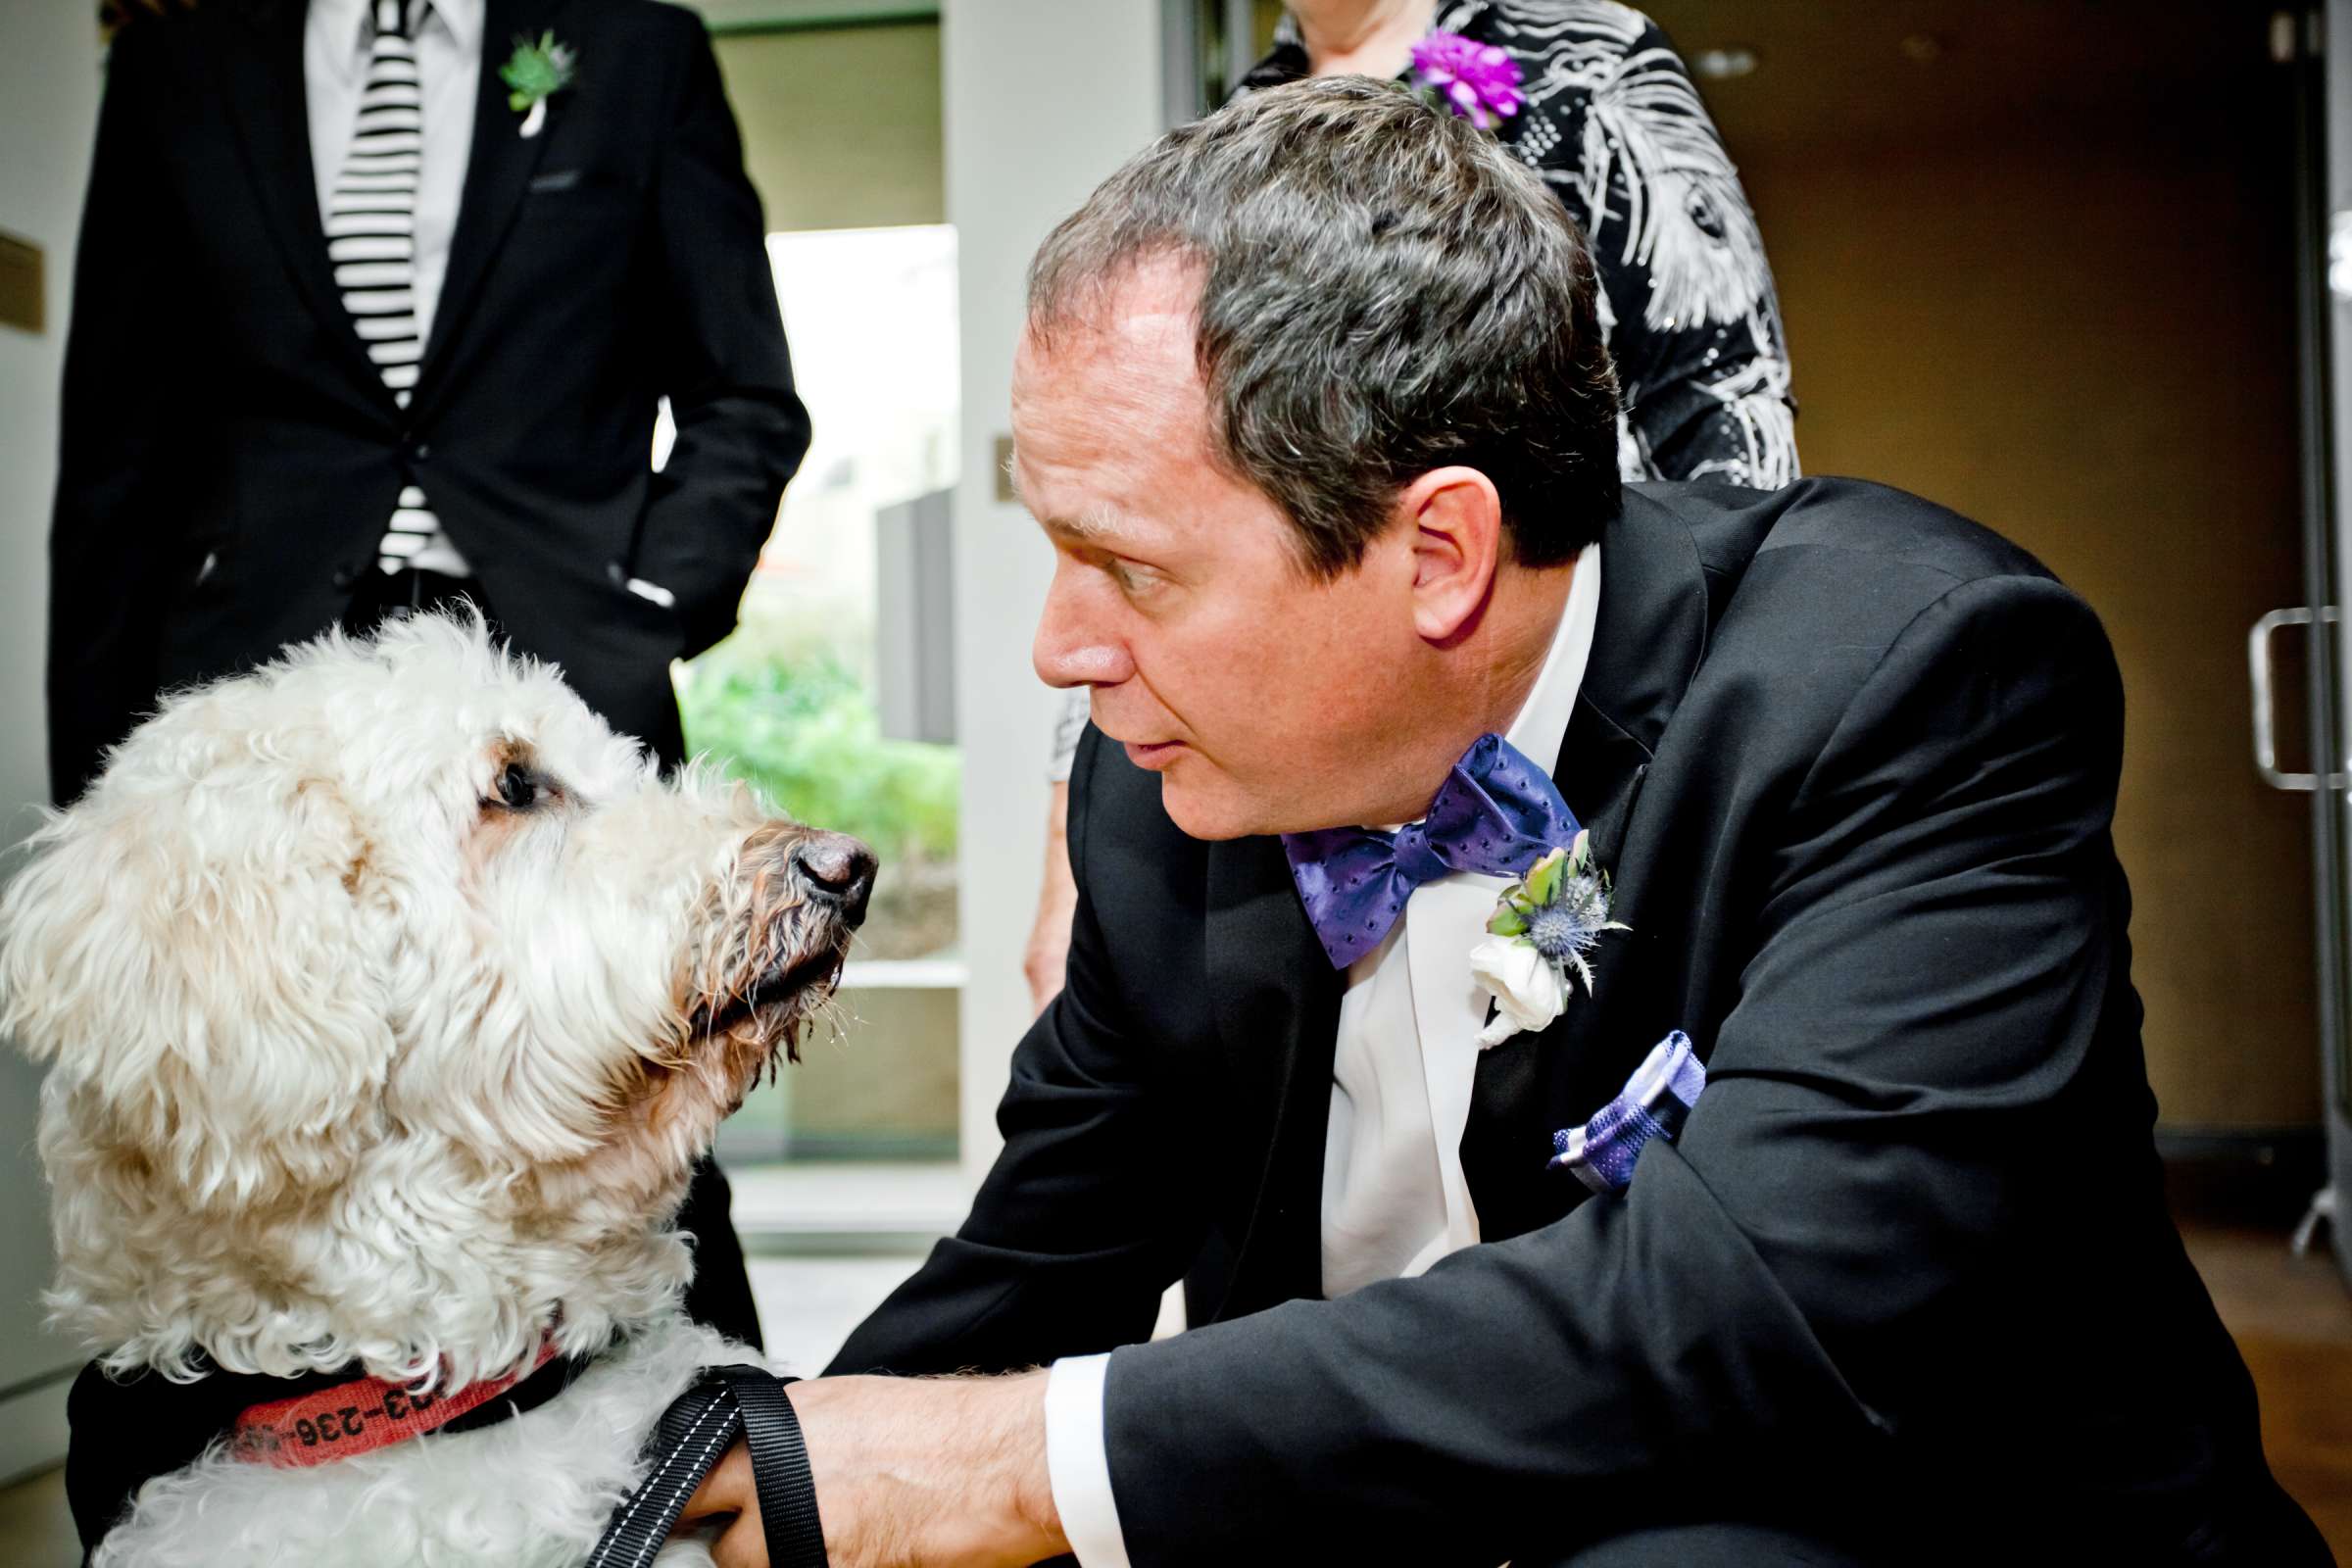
{"type": "Point", "coordinates": [185, 946]}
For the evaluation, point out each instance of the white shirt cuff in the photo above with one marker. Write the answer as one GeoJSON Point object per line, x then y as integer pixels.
{"type": "Point", "coordinates": [1078, 1461]}
{"type": "Point", "coordinates": [652, 591]}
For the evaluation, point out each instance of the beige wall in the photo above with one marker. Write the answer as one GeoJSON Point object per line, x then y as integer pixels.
{"type": "Point", "coordinates": [841, 124]}
{"type": "Point", "coordinates": [1020, 157]}
{"type": "Point", "coordinates": [2072, 319]}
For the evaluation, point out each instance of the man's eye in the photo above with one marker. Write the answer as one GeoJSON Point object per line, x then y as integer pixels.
{"type": "Point", "coordinates": [1133, 577]}
{"type": "Point", "coordinates": [517, 791]}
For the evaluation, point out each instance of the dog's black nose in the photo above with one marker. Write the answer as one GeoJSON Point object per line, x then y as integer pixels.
{"type": "Point", "coordinates": [838, 871]}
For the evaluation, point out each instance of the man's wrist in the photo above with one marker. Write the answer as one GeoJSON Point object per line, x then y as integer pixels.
{"type": "Point", "coordinates": [1009, 1417]}
{"type": "Point", "coordinates": [932, 1470]}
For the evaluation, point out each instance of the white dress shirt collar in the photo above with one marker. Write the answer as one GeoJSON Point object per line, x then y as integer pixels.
{"type": "Point", "coordinates": [351, 19]}
{"type": "Point", "coordinates": [1394, 1196]}
{"type": "Point", "coordinates": [1543, 721]}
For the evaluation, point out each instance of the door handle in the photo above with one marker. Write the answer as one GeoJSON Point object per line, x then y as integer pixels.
{"type": "Point", "coordinates": [2258, 671]}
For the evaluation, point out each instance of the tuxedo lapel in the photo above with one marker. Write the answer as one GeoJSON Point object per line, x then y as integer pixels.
{"type": "Point", "coordinates": [261, 77]}
{"type": "Point", "coordinates": [1276, 999]}
{"type": "Point", "coordinates": [1646, 644]}
{"type": "Point", "coordinates": [498, 173]}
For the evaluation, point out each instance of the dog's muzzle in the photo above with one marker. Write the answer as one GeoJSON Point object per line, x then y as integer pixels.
{"type": "Point", "coordinates": [834, 869]}
{"type": "Point", "coordinates": [805, 893]}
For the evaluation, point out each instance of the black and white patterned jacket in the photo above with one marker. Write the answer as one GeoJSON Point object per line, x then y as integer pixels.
{"type": "Point", "coordinates": [1615, 126]}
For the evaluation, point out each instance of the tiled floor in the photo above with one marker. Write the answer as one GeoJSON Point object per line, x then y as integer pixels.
{"type": "Point", "coordinates": [808, 1305]}
{"type": "Point", "coordinates": [2292, 1318]}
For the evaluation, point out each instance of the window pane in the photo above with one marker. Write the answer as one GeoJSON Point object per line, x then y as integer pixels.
{"type": "Point", "coordinates": [788, 702]}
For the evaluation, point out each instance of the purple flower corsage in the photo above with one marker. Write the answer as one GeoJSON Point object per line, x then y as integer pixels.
{"type": "Point", "coordinates": [1475, 80]}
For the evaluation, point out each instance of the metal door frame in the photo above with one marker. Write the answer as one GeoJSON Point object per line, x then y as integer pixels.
{"type": "Point", "coordinates": [2322, 88]}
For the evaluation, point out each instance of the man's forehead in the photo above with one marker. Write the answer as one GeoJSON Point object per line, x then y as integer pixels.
{"type": "Point", "coordinates": [1078, 501]}
{"type": "Point", "coordinates": [1109, 408]}
{"type": "Point", "coordinates": [1148, 309]}
{"type": "Point", "coordinates": [1128, 357]}
{"type": "Point", "coordinates": [1110, 420]}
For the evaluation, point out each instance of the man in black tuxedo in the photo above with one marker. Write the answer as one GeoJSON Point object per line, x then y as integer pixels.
{"type": "Point", "coordinates": [352, 333]}
{"type": "Point", "coordinates": [1313, 408]}
{"type": "Point", "coordinates": [235, 452]}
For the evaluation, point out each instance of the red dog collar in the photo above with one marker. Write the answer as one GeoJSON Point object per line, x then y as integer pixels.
{"type": "Point", "coordinates": [357, 1417]}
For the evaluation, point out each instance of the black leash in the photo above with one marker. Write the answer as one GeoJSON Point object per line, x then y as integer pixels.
{"type": "Point", "coordinates": [694, 1434]}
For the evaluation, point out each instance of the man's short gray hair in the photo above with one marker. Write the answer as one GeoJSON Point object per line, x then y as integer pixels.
{"type": "Point", "coordinates": [1385, 290]}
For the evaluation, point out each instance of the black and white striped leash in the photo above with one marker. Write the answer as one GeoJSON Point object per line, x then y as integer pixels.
{"type": "Point", "coordinates": [693, 1435]}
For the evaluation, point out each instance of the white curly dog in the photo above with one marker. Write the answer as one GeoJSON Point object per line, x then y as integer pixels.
{"type": "Point", "coordinates": [388, 997]}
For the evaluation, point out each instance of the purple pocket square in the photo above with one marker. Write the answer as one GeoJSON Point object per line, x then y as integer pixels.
{"type": "Point", "coordinates": [1653, 1103]}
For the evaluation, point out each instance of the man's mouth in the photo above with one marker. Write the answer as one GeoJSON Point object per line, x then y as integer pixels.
{"type": "Point", "coordinates": [1152, 755]}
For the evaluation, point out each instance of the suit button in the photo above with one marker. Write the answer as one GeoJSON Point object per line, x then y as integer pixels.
{"type": "Point", "coordinates": [422, 452]}
{"type": "Point", "coordinates": [346, 576]}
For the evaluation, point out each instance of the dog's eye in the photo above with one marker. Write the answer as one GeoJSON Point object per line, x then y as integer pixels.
{"type": "Point", "coordinates": [517, 789]}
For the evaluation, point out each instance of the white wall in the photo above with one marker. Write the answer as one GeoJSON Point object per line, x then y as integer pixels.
{"type": "Point", "coordinates": [48, 106]}
{"type": "Point", "coordinates": [1044, 99]}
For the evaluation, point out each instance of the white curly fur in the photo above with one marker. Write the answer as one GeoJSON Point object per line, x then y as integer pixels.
{"type": "Point", "coordinates": [349, 1061]}
{"type": "Point", "coordinates": [533, 1491]}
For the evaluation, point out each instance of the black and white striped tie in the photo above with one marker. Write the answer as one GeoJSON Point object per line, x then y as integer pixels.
{"type": "Point", "coordinates": [371, 238]}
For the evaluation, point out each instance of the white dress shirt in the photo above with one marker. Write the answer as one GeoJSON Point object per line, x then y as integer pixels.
{"type": "Point", "coordinates": [1395, 1200]}
{"type": "Point", "coordinates": [335, 40]}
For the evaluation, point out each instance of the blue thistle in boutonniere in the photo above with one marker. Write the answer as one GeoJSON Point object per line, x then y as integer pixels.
{"type": "Point", "coordinates": [1540, 938]}
{"type": "Point", "coordinates": [534, 74]}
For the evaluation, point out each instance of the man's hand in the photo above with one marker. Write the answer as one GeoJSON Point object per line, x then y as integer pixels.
{"type": "Point", "coordinates": [910, 1471]}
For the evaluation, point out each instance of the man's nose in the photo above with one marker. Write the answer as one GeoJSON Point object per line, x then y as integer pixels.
{"type": "Point", "coordinates": [1069, 650]}
{"type": "Point", "coordinates": [835, 868]}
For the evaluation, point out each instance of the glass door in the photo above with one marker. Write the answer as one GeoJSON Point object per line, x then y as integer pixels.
{"type": "Point", "coordinates": [841, 112]}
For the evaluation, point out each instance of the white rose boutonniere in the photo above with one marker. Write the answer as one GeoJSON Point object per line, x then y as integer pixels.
{"type": "Point", "coordinates": [1529, 992]}
{"type": "Point", "coordinates": [1544, 927]}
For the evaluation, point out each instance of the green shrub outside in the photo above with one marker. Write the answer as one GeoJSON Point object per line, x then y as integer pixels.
{"type": "Point", "coordinates": [797, 724]}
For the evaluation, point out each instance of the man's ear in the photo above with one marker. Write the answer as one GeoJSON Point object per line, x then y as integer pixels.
{"type": "Point", "coordinates": [1457, 549]}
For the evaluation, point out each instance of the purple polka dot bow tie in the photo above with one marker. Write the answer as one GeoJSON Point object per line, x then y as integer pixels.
{"type": "Point", "coordinates": [1496, 813]}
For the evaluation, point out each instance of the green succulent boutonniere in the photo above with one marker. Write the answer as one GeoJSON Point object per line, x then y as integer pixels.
{"type": "Point", "coordinates": [534, 74]}
{"type": "Point", "coordinates": [1544, 926]}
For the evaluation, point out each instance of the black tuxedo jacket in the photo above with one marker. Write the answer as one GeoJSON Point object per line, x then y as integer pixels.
{"type": "Point", "coordinates": [1906, 1282]}
{"type": "Point", "coordinates": [231, 457]}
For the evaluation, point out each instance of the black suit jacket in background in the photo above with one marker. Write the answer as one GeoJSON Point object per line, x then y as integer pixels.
{"type": "Point", "coordinates": [231, 457]}
{"type": "Point", "coordinates": [1907, 1279]}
